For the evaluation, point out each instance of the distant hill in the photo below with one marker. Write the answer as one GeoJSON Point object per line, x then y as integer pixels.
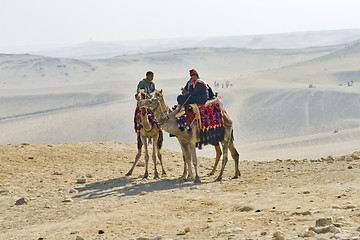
{"type": "Point", "coordinates": [96, 50]}
{"type": "Point", "coordinates": [213, 63]}
{"type": "Point", "coordinates": [275, 112]}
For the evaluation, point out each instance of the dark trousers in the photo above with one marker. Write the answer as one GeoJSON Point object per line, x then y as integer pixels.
{"type": "Point", "coordinates": [181, 99]}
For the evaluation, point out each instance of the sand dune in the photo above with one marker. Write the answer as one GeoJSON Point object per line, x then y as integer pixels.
{"type": "Point", "coordinates": [54, 100]}
{"type": "Point", "coordinates": [96, 50]}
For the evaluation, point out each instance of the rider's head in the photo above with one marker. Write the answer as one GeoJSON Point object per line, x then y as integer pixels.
{"type": "Point", "coordinates": [194, 75]}
{"type": "Point", "coordinates": [150, 75]}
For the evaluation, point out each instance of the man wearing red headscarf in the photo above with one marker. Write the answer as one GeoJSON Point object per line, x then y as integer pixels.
{"type": "Point", "coordinates": [195, 91]}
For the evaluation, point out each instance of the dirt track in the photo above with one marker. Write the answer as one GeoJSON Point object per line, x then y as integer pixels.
{"type": "Point", "coordinates": [285, 196]}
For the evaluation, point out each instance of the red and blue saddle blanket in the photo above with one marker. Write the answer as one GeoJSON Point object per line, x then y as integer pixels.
{"type": "Point", "coordinates": [212, 123]}
{"type": "Point", "coordinates": [137, 120]}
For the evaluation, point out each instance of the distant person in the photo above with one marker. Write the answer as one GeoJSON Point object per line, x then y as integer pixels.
{"type": "Point", "coordinates": [147, 83]}
{"type": "Point", "coordinates": [196, 91]}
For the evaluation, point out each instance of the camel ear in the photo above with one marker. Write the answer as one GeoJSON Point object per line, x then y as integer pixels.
{"type": "Point", "coordinates": [161, 91]}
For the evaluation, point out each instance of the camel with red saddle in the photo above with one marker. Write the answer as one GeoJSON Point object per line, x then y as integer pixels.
{"type": "Point", "coordinates": [188, 142]}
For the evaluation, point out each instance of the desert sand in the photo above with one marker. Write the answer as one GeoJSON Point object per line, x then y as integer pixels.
{"type": "Point", "coordinates": [296, 126]}
{"type": "Point", "coordinates": [280, 199]}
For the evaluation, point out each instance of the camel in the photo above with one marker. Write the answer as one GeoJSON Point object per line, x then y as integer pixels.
{"type": "Point", "coordinates": [149, 132]}
{"type": "Point", "coordinates": [188, 144]}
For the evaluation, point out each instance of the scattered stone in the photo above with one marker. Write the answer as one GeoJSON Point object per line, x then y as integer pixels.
{"type": "Point", "coordinates": [68, 200]}
{"type": "Point", "coordinates": [244, 209]}
{"type": "Point", "coordinates": [79, 237]}
{"type": "Point", "coordinates": [141, 164]}
{"type": "Point", "coordinates": [298, 207]}
{"type": "Point", "coordinates": [73, 190]}
{"type": "Point", "coordinates": [187, 229]}
{"type": "Point", "coordinates": [181, 233]}
{"type": "Point", "coordinates": [325, 229]}
{"type": "Point", "coordinates": [142, 238]}
{"type": "Point", "coordinates": [336, 207]}
{"type": "Point", "coordinates": [358, 229]}
{"type": "Point", "coordinates": [143, 193]}
{"type": "Point", "coordinates": [74, 232]}
{"type": "Point", "coordinates": [31, 157]}
{"type": "Point", "coordinates": [309, 233]}
{"type": "Point", "coordinates": [324, 222]}
{"type": "Point", "coordinates": [263, 233]}
{"type": "Point", "coordinates": [193, 188]}
{"type": "Point", "coordinates": [230, 230]}
{"type": "Point", "coordinates": [4, 191]}
{"type": "Point", "coordinates": [279, 236]}
{"type": "Point", "coordinates": [306, 192]}
{"type": "Point", "coordinates": [58, 173]}
{"type": "Point", "coordinates": [156, 238]}
{"type": "Point", "coordinates": [47, 206]}
{"type": "Point", "coordinates": [101, 232]}
{"type": "Point", "coordinates": [302, 213]}
{"type": "Point", "coordinates": [81, 179]}
{"type": "Point", "coordinates": [258, 210]}
{"type": "Point", "coordinates": [22, 201]}
{"type": "Point", "coordinates": [89, 175]}
{"type": "Point", "coordinates": [350, 167]}
{"type": "Point", "coordinates": [349, 207]}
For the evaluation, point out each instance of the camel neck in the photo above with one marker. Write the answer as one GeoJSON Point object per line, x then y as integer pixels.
{"type": "Point", "coordinates": [145, 121]}
{"type": "Point", "coordinates": [162, 118]}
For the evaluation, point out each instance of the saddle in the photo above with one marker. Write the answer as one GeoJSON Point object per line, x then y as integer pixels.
{"type": "Point", "coordinates": [210, 118]}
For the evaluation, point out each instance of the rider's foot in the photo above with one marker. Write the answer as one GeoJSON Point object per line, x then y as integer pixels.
{"type": "Point", "coordinates": [181, 113]}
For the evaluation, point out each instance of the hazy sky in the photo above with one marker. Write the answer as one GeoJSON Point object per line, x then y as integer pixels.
{"type": "Point", "coordinates": [39, 22]}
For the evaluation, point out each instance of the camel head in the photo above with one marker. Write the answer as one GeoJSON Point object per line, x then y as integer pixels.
{"type": "Point", "coordinates": [158, 94]}
{"type": "Point", "coordinates": [143, 94]}
{"type": "Point", "coordinates": [151, 103]}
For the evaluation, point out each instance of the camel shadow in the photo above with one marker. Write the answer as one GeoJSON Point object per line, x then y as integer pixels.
{"type": "Point", "coordinates": [125, 186]}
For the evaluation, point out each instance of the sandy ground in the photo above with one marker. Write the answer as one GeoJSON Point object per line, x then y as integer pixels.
{"type": "Point", "coordinates": [284, 196]}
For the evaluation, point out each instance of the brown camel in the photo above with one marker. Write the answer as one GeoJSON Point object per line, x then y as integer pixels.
{"type": "Point", "coordinates": [151, 132]}
{"type": "Point", "coordinates": [188, 144]}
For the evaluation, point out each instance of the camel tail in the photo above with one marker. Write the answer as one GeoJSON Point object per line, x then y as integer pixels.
{"type": "Point", "coordinates": [232, 135]}
{"type": "Point", "coordinates": [160, 140]}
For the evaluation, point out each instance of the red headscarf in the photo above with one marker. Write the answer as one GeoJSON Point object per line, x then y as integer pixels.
{"type": "Point", "coordinates": [192, 71]}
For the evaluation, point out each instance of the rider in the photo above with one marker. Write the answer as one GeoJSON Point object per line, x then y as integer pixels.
{"type": "Point", "coordinates": [147, 83]}
{"type": "Point", "coordinates": [195, 91]}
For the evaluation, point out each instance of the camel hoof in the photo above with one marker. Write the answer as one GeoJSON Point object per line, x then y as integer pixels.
{"type": "Point", "coordinates": [197, 180]}
{"type": "Point", "coordinates": [163, 173]}
{"type": "Point", "coordinates": [211, 173]}
{"type": "Point", "coordinates": [145, 176]}
{"type": "Point", "coordinates": [128, 174]}
{"type": "Point", "coordinates": [218, 179]}
{"type": "Point", "coordinates": [156, 176]}
{"type": "Point", "coordinates": [235, 177]}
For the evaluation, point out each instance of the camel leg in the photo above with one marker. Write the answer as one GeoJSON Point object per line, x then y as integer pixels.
{"type": "Point", "coordinates": [185, 168]}
{"type": "Point", "coordinates": [218, 155]}
{"type": "Point", "coordinates": [155, 147]}
{"type": "Point", "coordinates": [160, 159]}
{"type": "Point", "coordinates": [235, 156]}
{"type": "Point", "coordinates": [138, 155]}
{"type": "Point", "coordinates": [225, 145]}
{"type": "Point", "coordinates": [187, 155]}
{"type": "Point", "coordinates": [146, 175]}
{"type": "Point", "coordinates": [183, 149]}
{"type": "Point", "coordinates": [194, 159]}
